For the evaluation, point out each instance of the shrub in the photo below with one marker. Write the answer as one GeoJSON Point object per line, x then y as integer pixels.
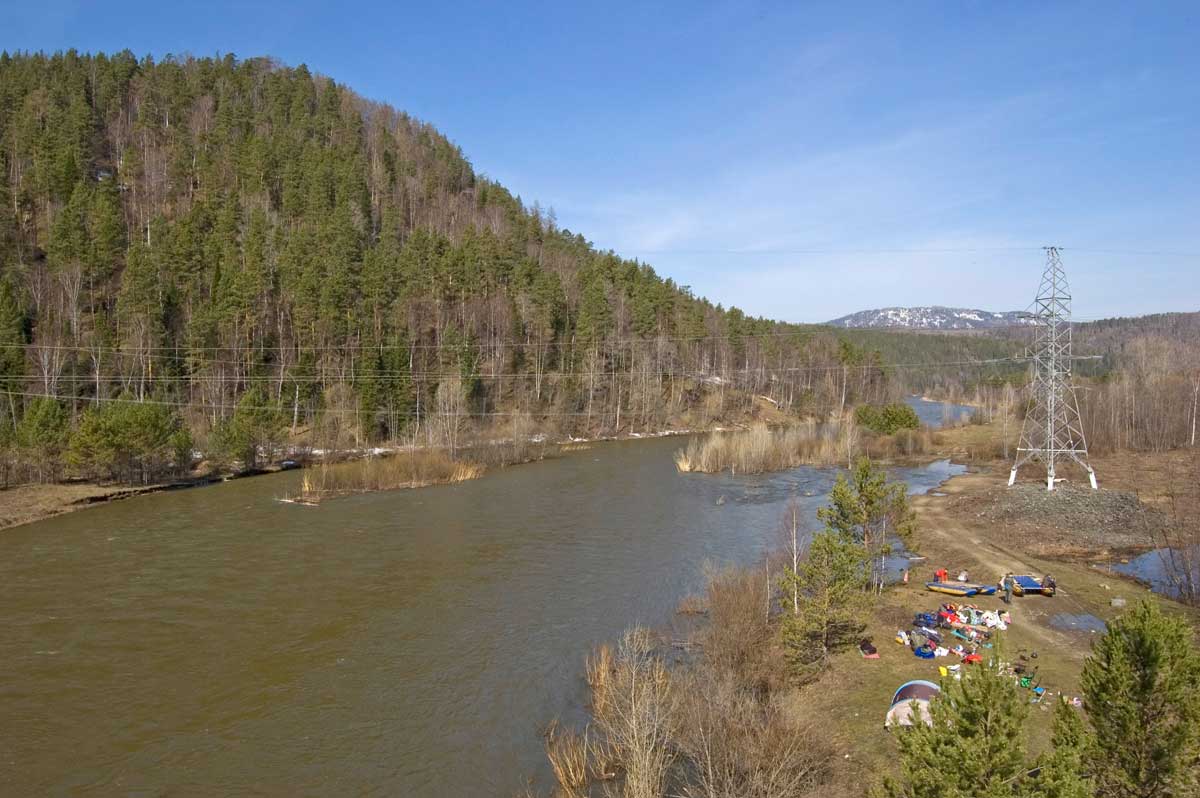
{"type": "Point", "coordinates": [887, 419]}
{"type": "Point", "coordinates": [130, 441]}
{"type": "Point", "coordinates": [739, 639]}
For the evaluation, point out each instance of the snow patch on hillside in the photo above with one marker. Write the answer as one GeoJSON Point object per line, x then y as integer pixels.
{"type": "Point", "coordinates": [933, 317]}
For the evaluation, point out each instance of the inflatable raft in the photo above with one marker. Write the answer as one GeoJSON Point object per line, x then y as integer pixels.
{"type": "Point", "coordinates": [952, 588]}
{"type": "Point", "coordinates": [1025, 584]}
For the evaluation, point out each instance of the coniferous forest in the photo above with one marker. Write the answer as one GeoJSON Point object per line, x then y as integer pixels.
{"type": "Point", "coordinates": [222, 255]}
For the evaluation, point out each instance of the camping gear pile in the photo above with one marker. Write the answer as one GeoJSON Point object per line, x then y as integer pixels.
{"type": "Point", "coordinates": [962, 630]}
{"type": "Point", "coordinates": [954, 629]}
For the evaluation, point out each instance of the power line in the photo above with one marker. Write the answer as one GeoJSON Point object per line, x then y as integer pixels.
{"type": "Point", "coordinates": [807, 331]}
{"type": "Point", "coordinates": [832, 251]}
{"type": "Point", "coordinates": [635, 373]}
{"type": "Point", "coordinates": [905, 251]}
{"type": "Point", "coordinates": [804, 330]}
{"type": "Point", "coordinates": [328, 410]}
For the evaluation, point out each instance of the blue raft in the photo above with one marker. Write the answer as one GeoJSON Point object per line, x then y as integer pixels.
{"type": "Point", "coordinates": [1025, 583]}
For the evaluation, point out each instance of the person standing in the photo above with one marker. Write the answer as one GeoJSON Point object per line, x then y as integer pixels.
{"type": "Point", "coordinates": [1007, 584]}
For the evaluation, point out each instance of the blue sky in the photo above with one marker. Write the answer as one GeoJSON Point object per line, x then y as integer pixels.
{"type": "Point", "coordinates": [799, 161]}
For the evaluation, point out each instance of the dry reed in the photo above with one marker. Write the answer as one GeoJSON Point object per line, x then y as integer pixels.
{"type": "Point", "coordinates": [600, 666]}
{"type": "Point", "coordinates": [691, 604]}
{"type": "Point", "coordinates": [568, 752]}
{"type": "Point", "coordinates": [762, 449]}
{"type": "Point", "coordinates": [409, 469]}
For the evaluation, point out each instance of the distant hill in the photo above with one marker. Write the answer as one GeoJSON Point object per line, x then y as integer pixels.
{"type": "Point", "coordinates": [934, 317]}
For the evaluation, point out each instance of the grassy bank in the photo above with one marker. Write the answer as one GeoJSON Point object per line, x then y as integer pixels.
{"type": "Point", "coordinates": [25, 504]}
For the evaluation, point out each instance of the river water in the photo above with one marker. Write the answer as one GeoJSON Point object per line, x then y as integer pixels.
{"type": "Point", "coordinates": [214, 641]}
{"type": "Point", "coordinates": [936, 414]}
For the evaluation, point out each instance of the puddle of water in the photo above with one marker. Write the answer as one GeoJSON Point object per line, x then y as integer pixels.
{"type": "Point", "coordinates": [1165, 571]}
{"type": "Point", "coordinates": [1078, 622]}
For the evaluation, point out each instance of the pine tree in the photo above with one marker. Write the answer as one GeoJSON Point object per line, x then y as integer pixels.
{"type": "Point", "coordinates": [831, 604]}
{"type": "Point", "coordinates": [870, 511]}
{"type": "Point", "coordinates": [42, 433]}
{"type": "Point", "coordinates": [1141, 689]}
{"type": "Point", "coordinates": [12, 352]}
{"type": "Point", "coordinates": [1062, 773]}
{"type": "Point", "coordinates": [253, 431]}
{"type": "Point", "coordinates": [595, 313]}
{"type": "Point", "coordinates": [974, 747]}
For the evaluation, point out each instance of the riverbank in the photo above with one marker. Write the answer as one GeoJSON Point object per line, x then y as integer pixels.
{"type": "Point", "coordinates": [26, 504]}
{"type": "Point", "coordinates": [855, 691]}
{"type": "Point", "coordinates": [973, 523]}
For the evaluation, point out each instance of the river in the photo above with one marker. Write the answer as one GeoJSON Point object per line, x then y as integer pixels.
{"type": "Point", "coordinates": [937, 414]}
{"type": "Point", "coordinates": [214, 641]}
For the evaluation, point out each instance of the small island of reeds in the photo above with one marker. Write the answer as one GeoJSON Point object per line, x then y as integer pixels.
{"type": "Point", "coordinates": [414, 467]}
{"type": "Point", "coordinates": [822, 443]}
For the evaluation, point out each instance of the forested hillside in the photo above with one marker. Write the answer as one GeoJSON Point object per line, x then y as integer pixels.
{"type": "Point", "coordinates": [942, 363]}
{"type": "Point", "coordinates": [220, 253]}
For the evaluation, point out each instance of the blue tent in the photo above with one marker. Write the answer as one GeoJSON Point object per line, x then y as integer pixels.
{"type": "Point", "coordinates": [915, 689]}
{"type": "Point", "coordinates": [911, 703]}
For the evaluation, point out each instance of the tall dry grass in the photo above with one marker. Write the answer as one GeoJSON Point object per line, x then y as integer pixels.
{"type": "Point", "coordinates": [599, 668]}
{"type": "Point", "coordinates": [902, 443]}
{"type": "Point", "coordinates": [408, 469]}
{"type": "Point", "coordinates": [761, 448]}
{"type": "Point", "coordinates": [835, 442]}
{"type": "Point", "coordinates": [569, 753]}
{"type": "Point", "coordinates": [710, 726]}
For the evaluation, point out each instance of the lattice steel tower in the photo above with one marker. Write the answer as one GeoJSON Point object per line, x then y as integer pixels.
{"type": "Point", "coordinates": [1052, 429]}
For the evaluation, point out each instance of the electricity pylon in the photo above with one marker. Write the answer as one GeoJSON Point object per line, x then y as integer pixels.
{"type": "Point", "coordinates": [1052, 429]}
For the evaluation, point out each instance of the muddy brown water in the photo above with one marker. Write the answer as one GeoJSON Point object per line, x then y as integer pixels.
{"type": "Point", "coordinates": [215, 642]}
